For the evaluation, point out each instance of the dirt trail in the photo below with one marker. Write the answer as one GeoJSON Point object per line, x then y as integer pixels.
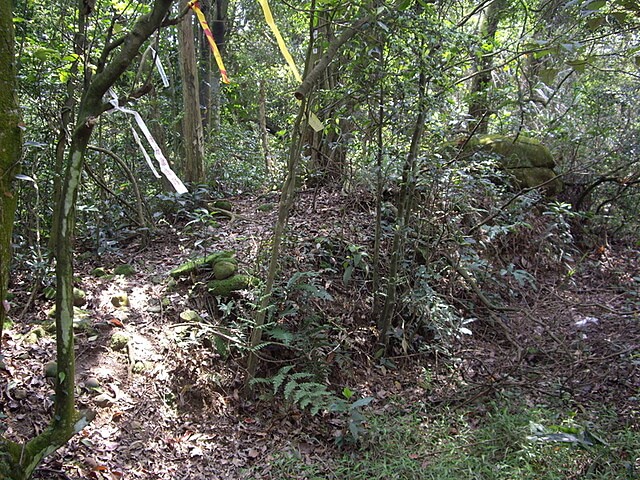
{"type": "Point", "coordinates": [168, 405]}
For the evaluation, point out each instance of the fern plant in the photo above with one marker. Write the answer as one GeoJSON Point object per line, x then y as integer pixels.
{"type": "Point", "coordinates": [297, 391]}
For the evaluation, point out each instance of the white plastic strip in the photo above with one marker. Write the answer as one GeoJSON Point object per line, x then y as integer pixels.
{"type": "Point", "coordinates": [163, 74]}
{"type": "Point", "coordinates": [162, 161]}
{"type": "Point", "coordinates": [144, 153]}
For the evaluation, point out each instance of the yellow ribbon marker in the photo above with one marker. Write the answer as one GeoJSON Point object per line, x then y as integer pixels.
{"type": "Point", "coordinates": [314, 121]}
{"type": "Point", "coordinates": [283, 46]}
{"type": "Point", "coordinates": [195, 6]}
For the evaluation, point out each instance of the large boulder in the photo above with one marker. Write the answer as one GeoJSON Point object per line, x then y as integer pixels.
{"type": "Point", "coordinates": [528, 160]}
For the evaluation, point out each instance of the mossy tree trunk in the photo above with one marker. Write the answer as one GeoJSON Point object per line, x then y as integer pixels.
{"type": "Point", "coordinates": [19, 461]}
{"type": "Point", "coordinates": [10, 148]}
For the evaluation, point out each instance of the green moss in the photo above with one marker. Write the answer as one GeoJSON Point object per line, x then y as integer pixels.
{"type": "Point", "coordinates": [537, 176]}
{"type": "Point", "coordinates": [34, 335]}
{"type": "Point", "coordinates": [266, 207]}
{"type": "Point", "coordinates": [120, 300]}
{"type": "Point", "coordinates": [99, 272]}
{"type": "Point", "coordinates": [124, 269]}
{"type": "Point", "coordinates": [190, 316]}
{"type": "Point", "coordinates": [524, 152]}
{"type": "Point", "coordinates": [201, 263]}
{"type": "Point", "coordinates": [528, 160]}
{"type": "Point", "coordinates": [223, 205]}
{"type": "Point", "coordinates": [79, 297]}
{"type": "Point", "coordinates": [226, 287]}
{"type": "Point", "coordinates": [78, 313]}
{"type": "Point", "coordinates": [51, 370]}
{"type": "Point", "coordinates": [224, 269]}
{"type": "Point", "coordinates": [119, 341]}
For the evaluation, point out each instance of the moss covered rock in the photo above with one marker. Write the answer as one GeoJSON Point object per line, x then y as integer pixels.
{"type": "Point", "coordinates": [124, 269]}
{"type": "Point", "coordinates": [266, 207]}
{"type": "Point", "coordinates": [222, 205]}
{"type": "Point", "coordinates": [34, 335]}
{"type": "Point", "coordinates": [79, 297]}
{"type": "Point", "coordinates": [190, 316]}
{"type": "Point", "coordinates": [202, 263]}
{"type": "Point", "coordinates": [99, 272]}
{"type": "Point", "coordinates": [224, 269]}
{"type": "Point", "coordinates": [120, 300]}
{"type": "Point", "coordinates": [226, 287]}
{"type": "Point", "coordinates": [119, 341]}
{"type": "Point", "coordinates": [528, 160]}
{"type": "Point", "coordinates": [51, 370]}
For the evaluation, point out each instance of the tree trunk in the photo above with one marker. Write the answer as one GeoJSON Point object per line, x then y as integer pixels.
{"type": "Point", "coordinates": [10, 148]}
{"type": "Point", "coordinates": [210, 83]}
{"type": "Point", "coordinates": [193, 166]}
{"type": "Point", "coordinates": [404, 212]}
{"type": "Point", "coordinates": [262, 121]}
{"type": "Point", "coordinates": [18, 461]}
{"type": "Point", "coordinates": [479, 107]}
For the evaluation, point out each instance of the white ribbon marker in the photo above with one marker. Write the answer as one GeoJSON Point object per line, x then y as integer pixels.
{"type": "Point", "coordinates": [163, 74]}
{"type": "Point", "coordinates": [162, 161]}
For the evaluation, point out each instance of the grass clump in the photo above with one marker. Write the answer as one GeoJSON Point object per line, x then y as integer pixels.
{"type": "Point", "coordinates": [502, 442]}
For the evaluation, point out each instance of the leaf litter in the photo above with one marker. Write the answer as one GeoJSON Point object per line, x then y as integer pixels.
{"type": "Point", "coordinates": [173, 409]}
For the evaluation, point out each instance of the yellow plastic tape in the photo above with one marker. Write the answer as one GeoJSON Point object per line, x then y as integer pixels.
{"type": "Point", "coordinates": [195, 6]}
{"type": "Point", "coordinates": [283, 46]}
{"type": "Point", "coordinates": [314, 121]}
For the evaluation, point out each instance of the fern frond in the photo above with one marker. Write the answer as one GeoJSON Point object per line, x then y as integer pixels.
{"type": "Point", "coordinates": [300, 375]}
{"type": "Point", "coordinates": [289, 388]}
{"type": "Point", "coordinates": [278, 379]}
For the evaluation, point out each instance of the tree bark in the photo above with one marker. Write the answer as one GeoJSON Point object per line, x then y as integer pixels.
{"type": "Point", "coordinates": [10, 148]}
{"type": "Point", "coordinates": [193, 166]}
{"type": "Point", "coordinates": [262, 121]}
{"type": "Point", "coordinates": [19, 461]}
{"type": "Point", "coordinates": [479, 108]}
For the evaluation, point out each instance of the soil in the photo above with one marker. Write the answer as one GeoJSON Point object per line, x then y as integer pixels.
{"type": "Point", "coordinates": [169, 402]}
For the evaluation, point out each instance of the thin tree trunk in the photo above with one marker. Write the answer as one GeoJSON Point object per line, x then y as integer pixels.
{"type": "Point", "coordinates": [284, 207]}
{"type": "Point", "coordinates": [404, 212]}
{"type": "Point", "coordinates": [262, 120]}
{"type": "Point", "coordinates": [193, 166]}
{"type": "Point", "coordinates": [10, 149]}
{"type": "Point", "coordinates": [479, 108]}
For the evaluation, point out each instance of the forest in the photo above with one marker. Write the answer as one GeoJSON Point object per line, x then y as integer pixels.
{"type": "Point", "coordinates": [378, 239]}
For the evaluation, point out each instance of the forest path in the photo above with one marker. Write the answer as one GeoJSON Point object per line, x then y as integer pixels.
{"type": "Point", "coordinates": [169, 406]}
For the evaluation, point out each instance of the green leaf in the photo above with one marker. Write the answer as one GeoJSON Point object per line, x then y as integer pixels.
{"type": "Point", "coordinates": [289, 388]}
{"type": "Point", "coordinates": [346, 391]}
{"type": "Point", "coordinates": [279, 333]}
{"type": "Point", "coordinates": [348, 271]}
{"type": "Point", "coordinates": [45, 53]}
{"type": "Point", "coordinates": [548, 75]}
{"type": "Point", "coordinates": [362, 402]}
{"type": "Point", "coordinates": [278, 379]}
{"type": "Point", "coordinates": [579, 65]}
{"type": "Point", "coordinates": [595, 5]}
